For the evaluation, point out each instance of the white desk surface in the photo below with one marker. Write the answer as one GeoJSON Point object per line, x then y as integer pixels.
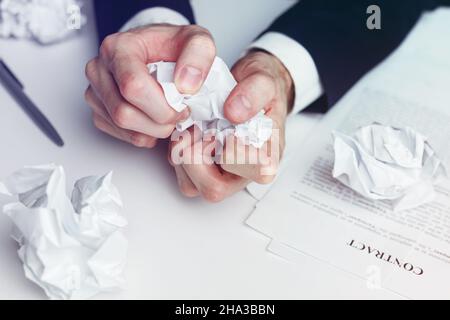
{"type": "Point", "coordinates": [179, 248]}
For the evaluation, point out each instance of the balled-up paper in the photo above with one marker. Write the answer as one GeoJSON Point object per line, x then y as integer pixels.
{"type": "Point", "coordinates": [385, 163]}
{"type": "Point", "coordinates": [207, 105]}
{"type": "Point", "coordinates": [72, 248]}
{"type": "Point", "coordinates": [46, 21]}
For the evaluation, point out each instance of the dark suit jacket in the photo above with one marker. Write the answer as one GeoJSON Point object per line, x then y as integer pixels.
{"type": "Point", "coordinates": [113, 14]}
{"type": "Point", "coordinates": [333, 31]}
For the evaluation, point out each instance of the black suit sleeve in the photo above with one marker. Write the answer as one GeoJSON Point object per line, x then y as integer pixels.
{"type": "Point", "coordinates": [336, 35]}
{"type": "Point", "coordinates": [111, 15]}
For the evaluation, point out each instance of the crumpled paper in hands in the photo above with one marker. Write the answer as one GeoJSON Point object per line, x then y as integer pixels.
{"type": "Point", "coordinates": [46, 21]}
{"type": "Point", "coordinates": [385, 163]}
{"type": "Point", "coordinates": [207, 105]}
{"type": "Point", "coordinates": [72, 248]}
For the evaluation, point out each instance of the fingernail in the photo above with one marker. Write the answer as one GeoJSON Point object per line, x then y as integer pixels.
{"type": "Point", "coordinates": [240, 107]}
{"type": "Point", "coordinates": [190, 79]}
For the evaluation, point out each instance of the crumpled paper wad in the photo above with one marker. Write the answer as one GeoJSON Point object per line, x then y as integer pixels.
{"type": "Point", "coordinates": [385, 163]}
{"type": "Point", "coordinates": [207, 105]}
{"type": "Point", "coordinates": [72, 248]}
{"type": "Point", "coordinates": [46, 21]}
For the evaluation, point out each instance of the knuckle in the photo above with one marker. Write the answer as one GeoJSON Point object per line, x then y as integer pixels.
{"type": "Point", "coordinates": [266, 83]}
{"type": "Point", "coordinates": [138, 140]}
{"type": "Point", "coordinates": [115, 47]}
{"type": "Point", "coordinates": [203, 39]}
{"type": "Point", "coordinates": [265, 80]}
{"type": "Point", "coordinates": [122, 36]}
{"type": "Point", "coordinates": [166, 131]}
{"type": "Point", "coordinates": [98, 123]}
{"type": "Point", "coordinates": [87, 95]}
{"type": "Point", "coordinates": [91, 69]}
{"type": "Point", "coordinates": [123, 116]}
{"type": "Point", "coordinates": [108, 45]}
{"type": "Point", "coordinates": [214, 193]}
{"type": "Point", "coordinates": [151, 142]}
{"type": "Point", "coordinates": [195, 28]}
{"type": "Point", "coordinates": [187, 190]}
{"type": "Point", "coordinates": [259, 55]}
{"type": "Point", "coordinates": [166, 118]}
{"type": "Point", "coordinates": [130, 85]}
{"type": "Point", "coordinates": [249, 66]}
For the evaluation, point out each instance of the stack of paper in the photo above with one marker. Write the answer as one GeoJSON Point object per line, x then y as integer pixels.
{"type": "Point", "coordinates": [308, 212]}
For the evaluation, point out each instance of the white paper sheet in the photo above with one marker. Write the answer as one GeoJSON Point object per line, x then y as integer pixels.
{"type": "Point", "coordinates": [385, 163]}
{"type": "Point", "coordinates": [72, 249]}
{"type": "Point", "coordinates": [308, 211]}
{"type": "Point", "coordinates": [46, 21]}
{"type": "Point", "coordinates": [207, 105]}
{"type": "Point", "coordinates": [298, 128]}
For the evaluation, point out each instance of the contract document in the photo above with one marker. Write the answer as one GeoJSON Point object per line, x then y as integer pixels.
{"type": "Point", "coordinates": [309, 212]}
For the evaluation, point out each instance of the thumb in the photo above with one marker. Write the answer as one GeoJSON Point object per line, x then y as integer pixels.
{"type": "Point", "coordinates": [249, 97]}
{"type": "Point", "coordinates": [195, 60]}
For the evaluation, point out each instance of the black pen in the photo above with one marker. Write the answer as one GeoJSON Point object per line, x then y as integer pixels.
{"type": "Point", "coordinates": [15, 88]}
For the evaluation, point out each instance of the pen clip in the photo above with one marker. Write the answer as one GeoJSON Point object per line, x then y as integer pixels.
{"type": "Point", "coordinates": [3, 64]}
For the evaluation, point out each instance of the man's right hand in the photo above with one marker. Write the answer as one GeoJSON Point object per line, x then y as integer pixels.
{"type": "Point", "coordinates": [127, 102]}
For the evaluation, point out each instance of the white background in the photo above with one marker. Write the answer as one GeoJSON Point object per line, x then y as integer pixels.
{"type": "Point", "coordinates": [179, 248]}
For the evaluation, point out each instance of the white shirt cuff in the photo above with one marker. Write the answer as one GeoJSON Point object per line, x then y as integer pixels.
{"type": "Point", "coordinates": [154, 16]}
{"type": "Point", "coordinates": [298, 62]}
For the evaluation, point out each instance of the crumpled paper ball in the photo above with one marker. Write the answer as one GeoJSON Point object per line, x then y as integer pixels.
{"type": "Point", "coordinates": [206, 106]}
{"type": "Point", "coordinates": [46, 21]}
{"type": "Point", "coordinates": [385, 163]}
{"type": "Point", "coordinates": [71, 248]}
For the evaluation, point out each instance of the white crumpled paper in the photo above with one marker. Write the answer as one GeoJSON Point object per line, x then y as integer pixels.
{"type": "Point", "coordinates": [385, 163]}
{"type": "Point", "coordinates": [72, 248]}
{"type": "Point", "coordinates": [46, 21]}
{"type": "Point", "coordinates": [207, 105]}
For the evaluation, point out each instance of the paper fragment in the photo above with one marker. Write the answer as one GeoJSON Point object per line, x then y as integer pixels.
{"type": "Point", "coordinates": [46, 21]}
{"type": "Point", "coordinates": [72, 249]}
{"type": "Point", "coordinates": [385, 163]}
{"type": "Point", "coordinates": [207, 105]}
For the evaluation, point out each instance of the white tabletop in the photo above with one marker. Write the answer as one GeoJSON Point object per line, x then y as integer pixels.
{"type": "Point", "coordinates": [179, 248]}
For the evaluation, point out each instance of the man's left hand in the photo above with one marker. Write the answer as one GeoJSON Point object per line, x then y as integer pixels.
{"type": "Point", "coordinates": [263, 84]}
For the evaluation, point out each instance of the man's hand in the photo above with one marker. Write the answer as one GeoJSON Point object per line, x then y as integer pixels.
{"type": "Point", "coordinates": [127, 102]}
{"type": "Point", "coordinates": [263, 84]}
